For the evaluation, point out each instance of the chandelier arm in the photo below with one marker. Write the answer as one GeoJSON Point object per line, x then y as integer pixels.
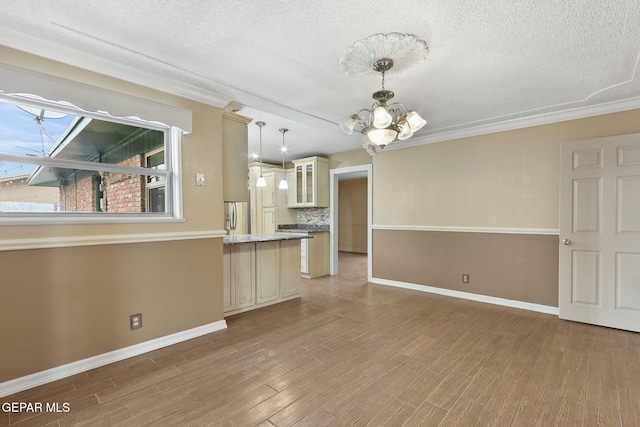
{"type": "Point", "coordinates": [400, 104]}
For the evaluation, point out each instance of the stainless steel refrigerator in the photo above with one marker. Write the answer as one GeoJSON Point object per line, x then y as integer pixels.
{"type": "Point", "coordinates": [236, 218]}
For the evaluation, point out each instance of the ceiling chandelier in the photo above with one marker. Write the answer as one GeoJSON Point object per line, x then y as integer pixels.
{"type": "Point", "coordinates": [384, 121]}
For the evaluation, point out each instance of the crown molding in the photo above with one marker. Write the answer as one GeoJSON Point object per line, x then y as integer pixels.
{"type": "Point", "coordinates": [523, 122]}
{"type": "Point", "coordinates": [106, 66]}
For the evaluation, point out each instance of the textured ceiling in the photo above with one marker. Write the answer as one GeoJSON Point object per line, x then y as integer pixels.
{"type": "Point", "coordinates": [492, 64]}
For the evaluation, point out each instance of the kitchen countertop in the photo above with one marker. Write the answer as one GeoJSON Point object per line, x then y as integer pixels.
{"type": "Point", "coordinates": [253, 238]}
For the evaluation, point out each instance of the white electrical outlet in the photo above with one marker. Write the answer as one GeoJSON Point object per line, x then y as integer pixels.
{"type": "Point", "coordinates": [199, 179]}
{"type": "Point", "coordinates": [135, 321]}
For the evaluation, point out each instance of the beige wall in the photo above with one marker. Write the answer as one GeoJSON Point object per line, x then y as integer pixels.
{"type": "Point", "coordinates": [503, 180]}
{"type": "Point", "coordinates": [63, 305]}
{"type": "Point", "coordinates": [67, 304]}
{"type": "Point", "coordinates": [509, 266]}
{"type": "Point", "coordinates": [506, 179]}
{"type": "Point", "coordinates": [352, 215]}
{"type": "Point", "coordinates": [349, 158]}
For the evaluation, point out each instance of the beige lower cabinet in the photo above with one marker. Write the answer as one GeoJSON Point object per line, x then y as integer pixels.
{"type": "Point", "coordinates": [239, 277]}
{"type": "Point", "coordinates": [289, 268]}
{"type": "Point", "coordinates": [314, 255]}
{"type": "Point", "coordinates": [260, 274]}
{"type": "Point", "coordinates": [268, 272]}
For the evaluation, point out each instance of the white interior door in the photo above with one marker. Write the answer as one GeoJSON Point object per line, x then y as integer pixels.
{"type": "Point", "coordinates": [599, 279]}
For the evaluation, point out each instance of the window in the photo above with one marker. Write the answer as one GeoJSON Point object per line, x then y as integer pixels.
{"type": "Point", "coordinates": [155, 183]}
{"type": "Point", "coordinates": [58, 161]}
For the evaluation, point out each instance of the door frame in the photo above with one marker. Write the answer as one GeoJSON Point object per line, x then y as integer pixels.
{"type": "Point", "coordinates": [334, 175]}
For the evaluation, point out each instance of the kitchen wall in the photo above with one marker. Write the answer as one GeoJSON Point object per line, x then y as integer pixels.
{"type": "Point", "coordinates": [485, 206]}
{"type": "Point", "coordinates": [65, 304]}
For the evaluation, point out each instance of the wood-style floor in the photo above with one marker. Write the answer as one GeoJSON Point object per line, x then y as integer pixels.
{"type": "Point", "coordinates": [350, 353]}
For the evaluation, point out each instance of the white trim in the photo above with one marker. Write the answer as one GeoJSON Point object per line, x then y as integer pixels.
{"type": "Point", "coordinates": [333, 215]}
{"type": "Point", "coordinates": [72, 241]}
{"type": "Point", "coordinates": [460, 229]}
{"type": "Point", "coordinates": [39, 378]}
{"type": "Point", "coordinates": [469, 296]}
{"type": "Point", "coordinates": [521, 123]}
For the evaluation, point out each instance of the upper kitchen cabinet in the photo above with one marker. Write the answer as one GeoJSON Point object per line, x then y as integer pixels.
{"type": "Point", "coordinates": [235, 150]}
{"type": "Point", "coordinates": [310, 181]}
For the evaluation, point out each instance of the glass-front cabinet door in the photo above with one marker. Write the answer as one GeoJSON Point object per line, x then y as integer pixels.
{"type": "Point", "coordinates": [308, 177]}
{"type": "Point", "coordinates": [300, 185]}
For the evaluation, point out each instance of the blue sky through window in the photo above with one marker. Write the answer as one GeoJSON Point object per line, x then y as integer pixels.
{"type": "Point", "coordinates": [21, 134]}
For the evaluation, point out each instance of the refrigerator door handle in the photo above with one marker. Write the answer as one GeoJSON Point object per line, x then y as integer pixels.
{"type": "Point", "coordinates": [234, 216]}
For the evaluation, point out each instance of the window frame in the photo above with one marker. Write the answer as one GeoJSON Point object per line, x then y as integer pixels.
{"type": "Point", "coordinates": [172, 173]}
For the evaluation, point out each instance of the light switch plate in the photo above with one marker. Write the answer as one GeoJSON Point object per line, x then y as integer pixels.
{"type": "Point", "coordinates": [199, 179]}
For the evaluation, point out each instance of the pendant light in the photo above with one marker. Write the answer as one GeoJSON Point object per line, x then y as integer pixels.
{"type": "Point", "coordinates": [283, 184]}
{"type": "Point", "coordinates": [261, 182]}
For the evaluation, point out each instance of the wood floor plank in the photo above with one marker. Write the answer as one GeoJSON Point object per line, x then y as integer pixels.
{"type": "Point", "coordinates": [463, 413]}
{"type": "Point", "coordinates": [394, 414]}
{"type": "Point", "coordinates": [352, 418]}
{"type": "Point", "coordinates": [352, 353]}
{"type": "Point", "coordinates": [426, 415]}
{"type": "Point", "coordinates": [499, 411]}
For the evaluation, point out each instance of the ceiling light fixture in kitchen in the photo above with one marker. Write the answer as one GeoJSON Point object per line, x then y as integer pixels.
{"type": "Point", "coordinates": [261, 182]}
{"type": "Point", "coordinates": [384, 122]}
{"type": "Point", "coordinates": [283, 183]}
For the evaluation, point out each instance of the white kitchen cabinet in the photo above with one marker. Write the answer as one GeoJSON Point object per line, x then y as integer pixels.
{"type": "Point", "coordinates": [269, 220]}
{"type": "Point", "coordinates": [268, 264]}
{"type": "Point", "coordinates": [234, 157]}
{"type": "Point", "coordinates": [269, 192]}
{"type": "Point", "coordinates": [310, 183]}
{"type": "Point", "coordinates": [239, 277]}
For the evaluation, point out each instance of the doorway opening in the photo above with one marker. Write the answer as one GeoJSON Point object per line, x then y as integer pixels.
{"type": "Point", "coordinates": [356, 235]}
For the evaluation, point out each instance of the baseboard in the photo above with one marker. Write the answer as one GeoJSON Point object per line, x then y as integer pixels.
{"type": "Point", "coordinates": [354, 250]}
{"type": "Point", "coordinates": [39, 378]}
{"type": "Point", "coordinates": [467, 295]}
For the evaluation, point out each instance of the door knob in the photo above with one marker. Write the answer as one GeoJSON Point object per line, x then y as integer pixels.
{"type": "Point", "coordinates": [566, 242]}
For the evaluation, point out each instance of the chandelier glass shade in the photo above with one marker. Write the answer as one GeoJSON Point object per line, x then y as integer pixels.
{"type": "Point", "coordinates": [384, 122]}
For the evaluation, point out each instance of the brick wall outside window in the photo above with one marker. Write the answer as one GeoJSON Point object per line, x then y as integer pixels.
{"type": "Point", "coordinates": [124, 193]}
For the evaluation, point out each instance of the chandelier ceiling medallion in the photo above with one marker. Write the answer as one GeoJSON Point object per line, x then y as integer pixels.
{"type": "Point", "coordinates": [384, 121]}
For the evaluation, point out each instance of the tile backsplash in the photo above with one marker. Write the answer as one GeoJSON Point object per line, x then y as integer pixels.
{"type": "Point", "coordinates": [318, 216]}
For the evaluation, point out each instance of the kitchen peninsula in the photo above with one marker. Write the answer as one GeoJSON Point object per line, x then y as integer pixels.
{"type": "Point", "coordinates": [260, 270]}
